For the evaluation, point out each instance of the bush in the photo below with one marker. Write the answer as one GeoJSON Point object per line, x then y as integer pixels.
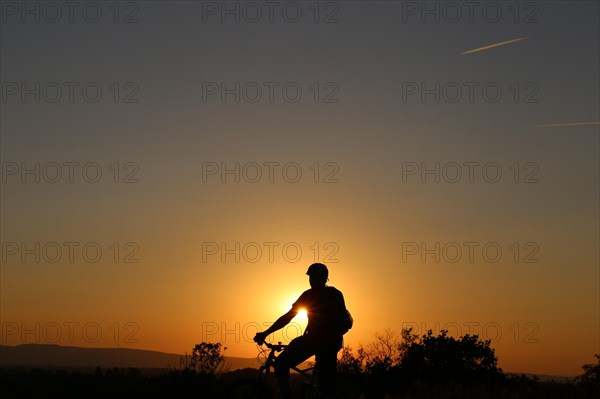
{"type": "Point", "coordinates": [442, 358]}
{"type": "Point", "coordinates": [206, 359]}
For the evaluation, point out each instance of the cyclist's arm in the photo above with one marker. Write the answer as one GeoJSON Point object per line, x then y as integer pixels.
{"type": "Point", "coordinates": [281, 322]}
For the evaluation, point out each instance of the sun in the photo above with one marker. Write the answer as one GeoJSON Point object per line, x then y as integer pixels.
{"type": "Point", "coordinates": [302, 314]}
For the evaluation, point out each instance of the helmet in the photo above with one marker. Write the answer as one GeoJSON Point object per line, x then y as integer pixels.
{"type": "Point", "coordinates": [318, 269]}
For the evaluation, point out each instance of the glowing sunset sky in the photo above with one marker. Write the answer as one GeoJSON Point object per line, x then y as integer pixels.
{"type": "Point", "coordinates": [504, 244]}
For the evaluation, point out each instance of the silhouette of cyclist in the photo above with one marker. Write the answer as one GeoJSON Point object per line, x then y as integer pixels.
{"type": "Point", "coordinates": [323, 337]}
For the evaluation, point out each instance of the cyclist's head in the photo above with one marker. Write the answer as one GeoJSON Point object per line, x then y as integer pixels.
{"type": "Point", "coordinates": [318, 274]}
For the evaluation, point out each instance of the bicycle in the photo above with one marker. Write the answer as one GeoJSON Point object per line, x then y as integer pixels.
{"type": "Point", "coordinates": [258, 388]}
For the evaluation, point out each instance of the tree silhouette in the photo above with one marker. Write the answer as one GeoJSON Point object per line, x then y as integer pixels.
{"type": "Point", "coordinates": [348, 363]}
{"type": "Point", "coordinates": [590, 379]}
{"type": "Point", "coordinates": [206, 358]}
{"type": "Point", "coordinates": [444, 358]}
{"type": "Point", "coordinates": [383, 353]}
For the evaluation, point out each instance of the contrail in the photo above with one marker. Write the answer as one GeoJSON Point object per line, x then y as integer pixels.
{"type": "Point", "coordinates": [489, 46]}
{"type": "Point", "coordinates": [569, 124]}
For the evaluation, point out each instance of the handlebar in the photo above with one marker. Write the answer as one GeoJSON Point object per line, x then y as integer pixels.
{"type": "Point", "coordinates": [278, 347]}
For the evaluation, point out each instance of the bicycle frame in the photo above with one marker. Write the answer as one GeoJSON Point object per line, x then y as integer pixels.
{"type": "Point", "coordinates": [264, 370]}
{"type": "Point", "coordinates": [259, 388]}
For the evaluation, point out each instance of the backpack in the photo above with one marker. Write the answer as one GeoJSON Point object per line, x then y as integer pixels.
{"type": "Point", "coordinates": [343, 320]}
{"type": "Point", "coordinates": [346, 321]}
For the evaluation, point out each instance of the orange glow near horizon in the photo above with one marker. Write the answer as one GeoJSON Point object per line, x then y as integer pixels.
{"type": "Point", "coordinates": [228, 302]}
{"type": "Point", "coordinates": [183, 308]}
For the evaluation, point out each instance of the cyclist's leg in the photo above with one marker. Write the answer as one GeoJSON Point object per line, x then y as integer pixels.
{"type": "Point", "coordinates": [326, 357]}
{"type": "Point", "coordinates": [299, 349]}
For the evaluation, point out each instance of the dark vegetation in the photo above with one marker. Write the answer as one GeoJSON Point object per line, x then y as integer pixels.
{"type": "Point", "coordinates": [430, 366]}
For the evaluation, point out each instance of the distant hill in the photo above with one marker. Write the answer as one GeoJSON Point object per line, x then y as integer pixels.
{"type": "Point", "coordinates": [42, 355]}
{"type": "Point", "coordinates": [56, 356]}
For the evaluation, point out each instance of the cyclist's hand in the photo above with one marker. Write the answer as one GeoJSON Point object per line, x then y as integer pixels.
{"type": "Point", "coordinates": [260, 337]}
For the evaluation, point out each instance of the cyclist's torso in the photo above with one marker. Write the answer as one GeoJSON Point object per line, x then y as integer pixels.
{"type": "Point", "coordinates": [323, 306]}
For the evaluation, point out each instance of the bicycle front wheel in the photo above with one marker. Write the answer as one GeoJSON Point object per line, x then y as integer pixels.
{"type": "Point", "coordinates": [249, 389]}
